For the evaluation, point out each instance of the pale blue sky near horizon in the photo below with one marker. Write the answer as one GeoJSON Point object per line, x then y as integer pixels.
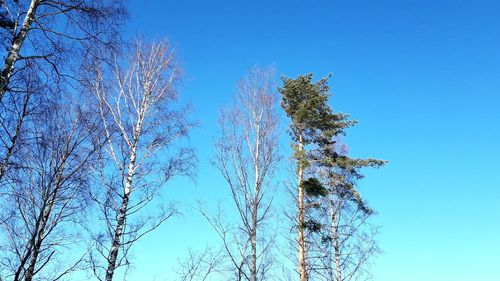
{"type": "Point", "coordinates": [421, 77]}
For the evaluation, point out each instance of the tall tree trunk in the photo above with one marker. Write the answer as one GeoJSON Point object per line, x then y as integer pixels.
{"type": "Point", "coordinates": [255, 206]}
{"type": "Point", "coordinates": [30, 272]}
{"type": "Point", "coordinates": [35, 244]}
{"type": "Point", "coordinates": [301, 225]}
{"type": "Point", "coordinates": [113, 254]}
{"type": "Point", "coordinates": [335, 240]}
{"type": "Point", "coordinates": [47, 210]}
{"type": "Point", "coordinates": [122, 214]}
{"type": "Point", "coordinates": [253, 240]}
{"type": "Point", "coordinates": [15, 47]}
{"type": "Point", "coordinates": [253, 264]}
{"type": "Point", "coordinates": [253, 236]}
{"type": "Point", "coordinates": [30, 246]}
{"type": "Point", "coordinates": [13, 139]}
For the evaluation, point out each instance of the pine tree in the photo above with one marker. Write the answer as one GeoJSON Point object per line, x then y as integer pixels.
{"type": "Point", "coordinates": [312, 120]}
{"type": "Point", "coordinates": [315, 130]}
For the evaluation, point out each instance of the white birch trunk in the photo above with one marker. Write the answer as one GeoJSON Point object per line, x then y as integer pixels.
{"type": "Point", "coordinates": [335, 239]}
{"type": "Point", "coordinates": [15, 48]}
{"type": "Point", "coordinates": [253, 235]}
{"type": "Point", "coordinates": [122, 213]}
{"type": "Point", "coordinates": [301, 241]}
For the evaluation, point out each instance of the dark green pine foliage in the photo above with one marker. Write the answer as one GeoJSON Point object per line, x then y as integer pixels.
{"type": "Point", "coordinates": [312, 122]}
{"type": "Point", "coordinates": [341, 172]}
{"type": "Point", "coordinates": [315, 130]}
{"type": "Point", "coordinates": [306, 104]}
{"type": "Point", "coordinates": [313, 187]}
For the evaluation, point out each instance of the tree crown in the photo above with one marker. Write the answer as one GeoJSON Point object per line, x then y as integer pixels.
{"type": "Point", "coordinates": [306, 104]}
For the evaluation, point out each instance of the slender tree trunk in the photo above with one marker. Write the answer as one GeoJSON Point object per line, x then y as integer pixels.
{"type": "Point", "coordinates": [253, 236]}
{"type": "Point", "coordinates": [301, 241]}
{"type": "Point", "coordinates": [122, 213]}
{"type": "Point", "coordinates": [255, 206]}
{"type": "Point", "coordinates": [335, 240]}
{"type": "Point", "coordinates": [113, 254]}
{"type": "Point", "coordinates": [34, 245]}
{"type": "Point", "coordinates": [253, 241]}
{"type": "Point", "coordinates": [336, 247]}
{"type": "Point", "coordinates": [13, 140]}
{"type": "Point", "coordinates": [30, 272]}
{"type": "Point", "coordinates": [30, 246]}
{"type": "Point", "coordinates": [16, 45]}
{"type": "Point", "coordinates": [253, 269]}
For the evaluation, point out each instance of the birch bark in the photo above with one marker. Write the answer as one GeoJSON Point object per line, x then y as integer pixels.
{"type": "Point", "coordinates": [15, 47]}
{"type": "Point", "coordinates": [301, 223]}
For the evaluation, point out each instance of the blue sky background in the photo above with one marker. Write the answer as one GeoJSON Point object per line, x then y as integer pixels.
{"type": "Point", "coordinates": [423, 79]}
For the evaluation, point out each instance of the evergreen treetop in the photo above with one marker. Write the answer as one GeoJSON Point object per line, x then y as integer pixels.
{"type": "Point", "coordinates": [306, 104]}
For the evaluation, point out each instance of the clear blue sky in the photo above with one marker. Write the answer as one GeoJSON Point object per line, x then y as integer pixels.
{"type": "Point", "coordinates": [423, 79]}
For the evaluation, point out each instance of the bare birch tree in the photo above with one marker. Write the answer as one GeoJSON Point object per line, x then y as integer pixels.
{"type": "Point", "coordinates": [48, 197]}
{"type": "Point", "coordinates": [142, 124]}
{"type": "Point", "coordinates": [342, 239]}
{"type": "Point", "coordinates": [15, 111]}
{"type": "Point", "coordinates": [247, 155]}
{"type": "Point", "coordinates": [351, 243]}
{"type": "Point", "coordinates": [46, 41]}
{"type": "Point", "coordinates": [352, 236]}
{"type": "Point", "coordinates": [46, 30]}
